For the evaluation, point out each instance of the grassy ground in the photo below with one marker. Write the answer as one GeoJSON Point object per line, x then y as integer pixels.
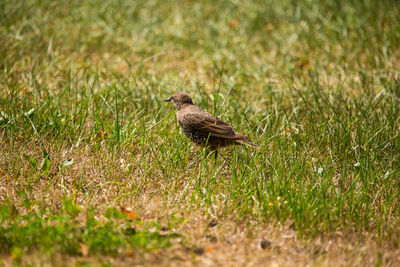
{"type": "Point", "coordinates": [84, 133]}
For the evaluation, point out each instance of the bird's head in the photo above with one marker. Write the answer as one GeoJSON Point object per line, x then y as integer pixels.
{"type": "Point", "coordinates": [179, 99]}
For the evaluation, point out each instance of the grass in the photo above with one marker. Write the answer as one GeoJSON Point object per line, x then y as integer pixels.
{"type": "Point", "coordinates": [82, 123]}
{"type": "Point", "coordinates": [61, 232]}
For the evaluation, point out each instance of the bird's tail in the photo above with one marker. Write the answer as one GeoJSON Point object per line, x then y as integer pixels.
{"type": "Point", "coordinates": [247, 142]}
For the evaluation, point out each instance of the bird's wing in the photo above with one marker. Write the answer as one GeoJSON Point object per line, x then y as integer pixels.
{"type": "Point", "coordinates": [206, 124]}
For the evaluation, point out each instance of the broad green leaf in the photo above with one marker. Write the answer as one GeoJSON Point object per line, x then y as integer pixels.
{"type": "Point", "coordinates": [30, 160]}
{"type": "Point", "coordinates": [45, 166]}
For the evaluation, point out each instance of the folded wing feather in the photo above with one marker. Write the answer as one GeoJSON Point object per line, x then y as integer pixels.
{"type": "Point", "coordinates": [206, 124]}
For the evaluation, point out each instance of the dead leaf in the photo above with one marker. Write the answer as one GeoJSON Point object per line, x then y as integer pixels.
{"type": "Point", "coordinates": [265, 244]}
{"type": "Point", "coordinates": [129, 254]}
{"type": "Point", "coordinates": [128, 211]}
{"type": "Point", "coordinates": [84, 249]}
{"type": "Point", "coordinates": [213, 223]}
{"type": "Point", "coordinates": [234, 23]}
{"type": "Point", "coordinates": [201, 251]}
{"type": "Point", "coordinates": [198, 251]}
{"type": "Point", "coordinates": [208, 249]}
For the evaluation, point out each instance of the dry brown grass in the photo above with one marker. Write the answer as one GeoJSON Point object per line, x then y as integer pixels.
{"type": "Point", "coordinates": [316, 84]}
{"type": "Point", "coordinates": [226, 240]}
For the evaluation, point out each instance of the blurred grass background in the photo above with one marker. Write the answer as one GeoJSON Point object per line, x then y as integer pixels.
{"type": "Point", "coordinates": [315, 84]}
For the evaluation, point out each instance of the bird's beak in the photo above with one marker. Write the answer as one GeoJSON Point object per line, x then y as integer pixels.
{"type": "Point", "coordinates": [167, 100]}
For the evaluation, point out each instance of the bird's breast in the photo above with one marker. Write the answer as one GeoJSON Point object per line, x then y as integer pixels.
{"type": "Point", "coordinates": [193, 135]}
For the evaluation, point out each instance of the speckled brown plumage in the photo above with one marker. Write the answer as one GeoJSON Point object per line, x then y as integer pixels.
{"type": "Point", "coordinates": [202, 127]}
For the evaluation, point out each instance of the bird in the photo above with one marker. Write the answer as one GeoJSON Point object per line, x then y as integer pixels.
{"type": "Point", "coordinates": [204, 129]}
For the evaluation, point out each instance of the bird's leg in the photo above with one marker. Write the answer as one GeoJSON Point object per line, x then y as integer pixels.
{"type": "Point", "coordinates": [215, 151]}
{"type": "Point", "coordinates": [215, 155]}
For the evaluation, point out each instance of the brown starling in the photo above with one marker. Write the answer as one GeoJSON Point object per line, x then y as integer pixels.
{"type": "Point", "coordinates": [202, 127]}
